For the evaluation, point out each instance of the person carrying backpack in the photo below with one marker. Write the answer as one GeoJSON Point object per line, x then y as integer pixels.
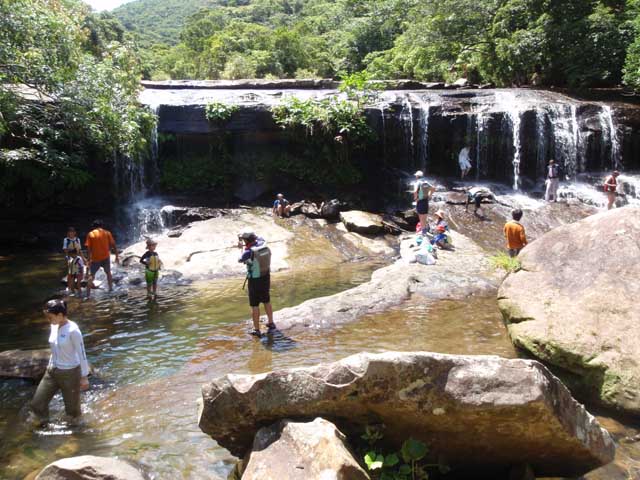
{"type": "Point", "coordinates": [256, 255]}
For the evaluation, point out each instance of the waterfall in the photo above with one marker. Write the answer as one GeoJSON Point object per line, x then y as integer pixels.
{"type": "Point", "coordinates": [145, 218]}
{"type": "Point", "coordinates": [384, 133]}
{"type": "Point", "coordinates": [481, 143]}
{"type": "Point", "coordinates": [408, 132]}
{"type": "Point", "coordinates": [423, 146]}
{"type": "Point", "coordinates": [566, 137]}
{"type": "Point", "coordinates": [611, 138]}
{"type": "Point", "coordinates": [541, 140]}
{"type": "Point", "coordinates": [513, 109]}
{"type": "Point", "coordinates": [155, 167]}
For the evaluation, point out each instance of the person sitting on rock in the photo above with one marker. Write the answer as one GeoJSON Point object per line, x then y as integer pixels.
{"type": "Point", "coordinates": [514, 234]}
{"type": "Point", "coordinates": [441, 239]}
{"type": "Point", "coordinates": [281, 206]}
{"type": "Point", "coordinates": [477, 195]}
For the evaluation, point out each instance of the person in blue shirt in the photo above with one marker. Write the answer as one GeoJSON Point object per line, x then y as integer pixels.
{"type": "Point", "coordinates": [257, 257]}
{"type": "Point", "coordinates": [281, 207]}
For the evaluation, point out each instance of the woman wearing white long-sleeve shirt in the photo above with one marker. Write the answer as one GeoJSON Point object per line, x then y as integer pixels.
{"type": "Point", "coordinates": [68, 367]}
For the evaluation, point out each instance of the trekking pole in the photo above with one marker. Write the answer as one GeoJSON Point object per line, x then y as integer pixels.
{"type": "Point", "coordinates": [245, 282]}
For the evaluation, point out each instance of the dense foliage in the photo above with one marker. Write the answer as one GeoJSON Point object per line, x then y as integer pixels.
{"type": "Point", "coordinates": [547, 42]}
{"type": "Point", "coordinates": [68, 90]}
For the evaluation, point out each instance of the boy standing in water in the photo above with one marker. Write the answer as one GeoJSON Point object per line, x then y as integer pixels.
{"type": "Point", "coordinates": [152, 264]}
{"type": "Point", "coordinates": [75, 271]}
{"type": "Point", "coordinates": [514, 234]}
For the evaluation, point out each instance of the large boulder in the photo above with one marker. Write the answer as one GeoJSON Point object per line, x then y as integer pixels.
{"type": "Point", "coordinates": [362, 222]}
{"type": "Point", "coordinates": [24, 363]}
{"type": "Point", "coordinates": [482, 413]}
{"type": "Point", "coordinates": [301, 451]}
{"type": "Point", "coordinates": [209, 248]}
{"type": "Point", "coordinates": [584, 315]}
{"type": "Point", "coordinates": [89, 467]}
{"type": "Point", "coordinates": [457, 275]}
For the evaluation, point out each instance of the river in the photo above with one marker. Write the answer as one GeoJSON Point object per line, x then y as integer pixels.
{"type": "Point", "coordinates": [151, 359]}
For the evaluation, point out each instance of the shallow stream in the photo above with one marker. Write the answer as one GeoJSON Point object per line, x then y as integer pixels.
{"type": "Point", "coordinates": [152, 358]}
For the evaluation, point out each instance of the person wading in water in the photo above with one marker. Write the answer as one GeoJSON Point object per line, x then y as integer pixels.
{"type": "Point", "coordinates": [68, 367]}
{"type": "Point", "coordinates": [611, 188]}
{"type": "Point", "coordinates": [257, 257]}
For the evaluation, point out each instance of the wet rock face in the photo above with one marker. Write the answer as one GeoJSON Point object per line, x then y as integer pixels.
{"type": "Point", "coordinates": [584, 315]}
{"type": "Point", "coordinates": [89, 467]}
{"type": "Point", "coordinates": [481, 413]}
{"type": "Point", "coordinates": [362, 222]}
{"type": "Point", "coordinates": [301, 451]}
{"type": "Point", "coordinates": [24, 363]}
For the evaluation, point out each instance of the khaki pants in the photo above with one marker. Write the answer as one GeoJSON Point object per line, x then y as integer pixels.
{"type": "Point", "coordinates": [67, 381]}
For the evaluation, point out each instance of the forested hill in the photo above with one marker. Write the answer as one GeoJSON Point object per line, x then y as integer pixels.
{"type": "Point", "coordinates": [574, 43]}
{"type": "Point", "coordinates": [159, 21]}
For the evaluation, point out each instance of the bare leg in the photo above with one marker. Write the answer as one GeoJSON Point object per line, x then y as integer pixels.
{"type": "Point", "coordinates": [110, 280]}
{"type": "Point", "coordinates": [255, 316]}
{"type": "Point", "coordinates": [269, 311]}
{"type": "Point", "coordinates": [423, 221]}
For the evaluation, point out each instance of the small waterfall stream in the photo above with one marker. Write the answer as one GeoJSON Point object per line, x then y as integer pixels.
{"type": "Point", "coordinates": [610, 137]}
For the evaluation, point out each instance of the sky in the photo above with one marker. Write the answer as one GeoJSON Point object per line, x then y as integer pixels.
{"type": "Point", "coordinates": [100, 5]}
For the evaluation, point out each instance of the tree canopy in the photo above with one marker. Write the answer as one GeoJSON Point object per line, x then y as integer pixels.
{"type": "Point", "coordinates": [574, 43]}
{"type": "Point", "coordinates": [68, 92]}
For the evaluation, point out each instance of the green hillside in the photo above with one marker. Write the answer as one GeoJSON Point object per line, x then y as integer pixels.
{"type": "Point", "coordinates": [159, 21]}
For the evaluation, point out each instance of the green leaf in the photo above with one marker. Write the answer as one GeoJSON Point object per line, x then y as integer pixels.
{"type": "Point", "coordinates": [404, 469]}
{"type": "Point", "coordinates": [413, 450]}
{"type": "Point", "coordinates": [391, 460]}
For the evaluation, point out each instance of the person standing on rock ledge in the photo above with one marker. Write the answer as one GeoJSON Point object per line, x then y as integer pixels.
{"type": "Point", "coordinates": [257, 257]}
{"type": "Point", "coordinates": [552, 182]}
{"type": "Point", "coordinates": [611, 188]}
{"type": "Point", "coordinates": [421, 194]}
{"type": "Point", "coordinates": [514, 234]}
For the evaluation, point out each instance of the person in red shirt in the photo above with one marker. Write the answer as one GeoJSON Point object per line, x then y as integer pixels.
{"type": "Point", "coordinates": [514, 234]}
{"type": "Point", "coordinates": [611, 188]}
{"type": "Point", "coordinates": [99, 244]}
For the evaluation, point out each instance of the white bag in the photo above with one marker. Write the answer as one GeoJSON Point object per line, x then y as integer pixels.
{"type": "Point", "coordinates": [425, 257]}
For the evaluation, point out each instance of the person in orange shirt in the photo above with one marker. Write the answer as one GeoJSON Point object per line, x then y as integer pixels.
{"type": "Point", "coordinates": [514, 233]}
{"type": "Point", "coordinates": [99, 243]}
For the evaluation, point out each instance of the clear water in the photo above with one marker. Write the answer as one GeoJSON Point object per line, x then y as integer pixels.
{"type": "Point", "coordinates": [153, 357]}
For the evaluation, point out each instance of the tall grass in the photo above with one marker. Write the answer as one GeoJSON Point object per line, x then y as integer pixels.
{"type": "Point", "coordinates": [502, 260]}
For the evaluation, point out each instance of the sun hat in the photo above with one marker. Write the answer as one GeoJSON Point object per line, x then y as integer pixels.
{"type": "Point", "coordinates": [440, 214]}
{"type": "Point", "coordinates": [151, 241]}
{"type": "Point", "coordinates": [419, 173]}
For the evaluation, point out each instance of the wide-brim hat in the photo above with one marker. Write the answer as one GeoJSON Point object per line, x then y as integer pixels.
{"type": "Point", "coordinates": [440, 213]}
{"type": "Point", "coordinates": [419, 173]}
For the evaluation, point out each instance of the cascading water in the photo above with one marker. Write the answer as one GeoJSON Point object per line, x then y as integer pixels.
{"type": "Point", "coordinates": [481, 143]}
{"type": "Point", "coordinates": [407, 120]}
{"type": "Point", "coordinates": [566, 137]}
{"type": "Point", "coordinates": [423, 145]}
{"type": "Point", "coordinates": [610, 136]}
{"type": "Point", "coordinates": [513, 110]}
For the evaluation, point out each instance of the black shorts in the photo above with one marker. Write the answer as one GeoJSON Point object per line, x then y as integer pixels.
{"type": "Point", "coordinates": [259, 290]}
{"type": "Point", "coordinates": [422, 206]}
